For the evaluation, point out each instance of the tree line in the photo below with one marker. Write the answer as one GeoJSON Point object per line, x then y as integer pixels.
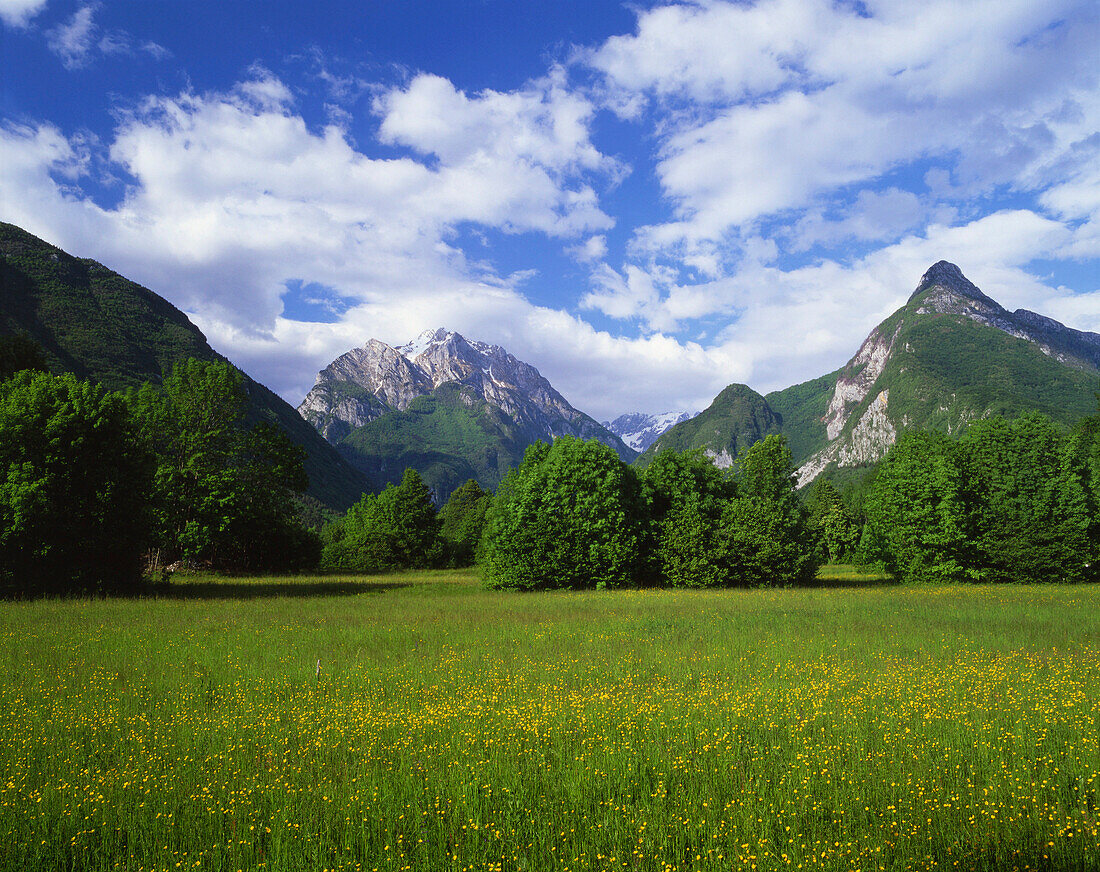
{"type": "Point", "coordinates": [573, 515]}
{"type": "Point", "coordinates": [1008, 501]}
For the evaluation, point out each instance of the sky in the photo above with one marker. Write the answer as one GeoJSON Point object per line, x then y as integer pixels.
{"type": "Point", "coordinates": [647, 201]}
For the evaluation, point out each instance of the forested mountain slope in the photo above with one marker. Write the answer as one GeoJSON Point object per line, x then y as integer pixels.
{"type": "Point", "coordinates": [97, 324]}
{"type": "Point", "coordinates": [736, 419]}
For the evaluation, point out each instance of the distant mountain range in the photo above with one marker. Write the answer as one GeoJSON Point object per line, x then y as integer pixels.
{"type": "Point", "coordinates": [640, 430]}
{"type": "Point", "coordinates": [451, 408]}
{"type": "Point", "coordinates": [456, 409]}
{"type": "Point", "coordinates": [95, 323]}
{"type": "Point", "coordinates": [949, 356]}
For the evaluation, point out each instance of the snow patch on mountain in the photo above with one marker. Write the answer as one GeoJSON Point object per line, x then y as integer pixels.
{"type": "Point", "coordinates": [640, 430]}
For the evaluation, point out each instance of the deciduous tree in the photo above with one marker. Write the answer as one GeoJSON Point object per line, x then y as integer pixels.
{"type": "Point", "coordinates": [75, 478]}
{"type": "Point", "coordinates": [570, 516]}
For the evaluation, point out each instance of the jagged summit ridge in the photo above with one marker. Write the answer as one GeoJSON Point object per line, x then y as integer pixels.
{"type": "Point", "coordinates": [944, 290]}
{"type": "Point", "coordinates": [639, 430]}
{"type": "Point", "coordinates": [363, 384]}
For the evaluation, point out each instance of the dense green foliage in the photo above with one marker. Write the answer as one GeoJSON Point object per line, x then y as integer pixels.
{"type": "Point", "coordinates": [1027, 511]}
{"type": "Point", "coordinates": [570, 516]}
{"type": "Point", "coordinates": [20, 352]}
{"type": "Point", "coordinates": [738, 417]}
{"type": "Point", "coordinates": [769, 541]}
{"type": "Point", "coordinates": [395, 529]}
{"type": "Point", "coordinates": [1083, 459]}
{"type": "Point", "coordinates": [1009, 501]}
{"type": "Point", "coordinates": [100, 326]}
{"type": "Point", "coordinates": [685, 494]}
{"type": "Point", "coordinates": [748, 529]}
{"type": "Point", "coordinates": [573, 516]}
{"type": "Point", "coordinates": [837, 526]}
{"type": "Point", "coordinates": [224, 492]}
{"type": "Point", "coordinates": [915, 521]}
{"type": "Point", "coordinates": [462, 520]}
{"type": "Point", "coordinates": [75, 476]}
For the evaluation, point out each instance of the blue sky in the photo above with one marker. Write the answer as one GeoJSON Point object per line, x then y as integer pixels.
{"type": "Point", "coordinates": [647, 201]}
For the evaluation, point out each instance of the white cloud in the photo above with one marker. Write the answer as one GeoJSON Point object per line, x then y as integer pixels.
{"type": "Point", "coordinates": [18, 13]}
{"type": "Point", "coordinates": [875, 216]}
{"type": "Point", "coordinates": [232, 194]}
{"type": "Point", "coordinates": [73, 40]}
{"type": "Point", "coordinates": [781, 105]}
{"type": "Point", "coordinates": [156, 51]}
{"type": "Point", "coordinates": [879, 144]}
{"type": "Point", "coordinates": [511, 160]}
{"type": "Point", "coordinates": [593, 249]}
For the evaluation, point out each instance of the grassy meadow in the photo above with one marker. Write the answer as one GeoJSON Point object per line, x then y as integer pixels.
{"type": "Point", "coordinates": [853, 725]}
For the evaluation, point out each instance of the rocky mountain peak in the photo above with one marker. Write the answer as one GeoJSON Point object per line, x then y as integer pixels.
{"type": "Point", "coordinates": [364, 383]}
{"type": "Point", "coordinates": [946, 276]}
{"type": "Point", "coordinates": [869, 406]}
{"type": "Point", "coordinates": [425, 341]}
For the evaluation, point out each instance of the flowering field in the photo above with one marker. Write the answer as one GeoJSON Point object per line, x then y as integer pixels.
{"type": "Point", "coordinates": [874, 727]}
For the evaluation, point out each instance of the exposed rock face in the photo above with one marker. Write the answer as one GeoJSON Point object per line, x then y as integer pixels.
{"type": "Point", "coordinates": [640, 430]}
{"type": "Point", "coordinates": [860, 422]}
{"type": "Point", "coordinates": [857, 379]}
{"type": "Point", "coordinates": [367, 382]}
{"type": "Point", "coordinates": [868, 442]}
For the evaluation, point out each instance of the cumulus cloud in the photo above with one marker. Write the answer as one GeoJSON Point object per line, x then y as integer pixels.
{"type": "Point", "coordinates": [18, 13]}
{"type": "Point", "coordinates": [593, 249]}
{"type": "Point", "coordinates": [231, 194]}
{"type": "Point", "coordinates": [775, 106]}
{"type": "Point", "coordinates": [513, 160]}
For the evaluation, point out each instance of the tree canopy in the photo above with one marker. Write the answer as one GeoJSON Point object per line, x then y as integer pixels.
{"type": "Point", "coordinates": [224, 492]}
{"type": "Point", "coordinates": [75, 477]}
{"type": "Point", "coordinates": [396, 529]}
{"type": "Point", "coordinates": [570, 516]}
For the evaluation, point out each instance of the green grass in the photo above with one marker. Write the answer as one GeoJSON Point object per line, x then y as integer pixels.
{"type": "Point", "coordinates": [853, 725]}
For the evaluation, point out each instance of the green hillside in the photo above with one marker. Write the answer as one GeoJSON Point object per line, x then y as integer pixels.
{"type": "Point", "coordinates": [93, 322]}
{"type": "Point", "coordinates": [737, 418]}
{"type": "Point", "coordinates": [449, 437]}
{"type": "Point", "coordinates": [801, 409]}
{"type": "Point", "coordinates": [946, 370]}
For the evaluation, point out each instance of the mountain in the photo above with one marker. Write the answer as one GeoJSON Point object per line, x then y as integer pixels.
{"type": "Point", "coordinates": [451, 408]}
{"type": "Point", "coordinates": [639, 430]}
{"type": "Point", "coordinates": [97, 324]}
{"type": "Point", "coordinates": [949, 356]}
{"type": "Point", "coordinates": [737, 418]}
